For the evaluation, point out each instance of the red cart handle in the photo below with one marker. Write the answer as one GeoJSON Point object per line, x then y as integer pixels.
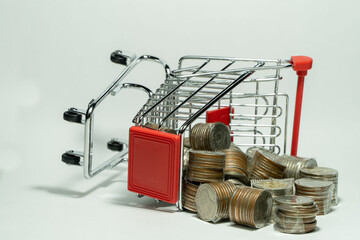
{"type": "Point", "coordinates": [300, 64]}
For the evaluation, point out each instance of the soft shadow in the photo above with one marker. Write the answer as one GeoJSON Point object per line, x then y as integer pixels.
{"type": "Point", "coordinates": [243, 227]}
{"type": "Point", "coordinates": [77, 194]}
{"type": "Point", "coordinates": [316, 229]}
{"type": "Point", "coordinates": [300, 233]}
{"type": "Point", "coordinates": [221, 221]}
{"type": "Point", "coordinates": [145, 203]}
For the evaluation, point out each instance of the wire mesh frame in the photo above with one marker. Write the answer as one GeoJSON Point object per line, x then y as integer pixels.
{"type": "Point", "coordinates": [190, 91]}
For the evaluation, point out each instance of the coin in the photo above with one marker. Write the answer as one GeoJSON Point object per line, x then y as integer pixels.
{"type": "Point", "coordinates": [320, 172]}
{"type": "Point", "coordinates": [265, 165]}
{"type": "Point", "coordinates": [236, 182]}
{"type": "Point", "coordinates": [155, 126]}
{"type": "Point", "coordinates": [205, 166]}
{"type": "Point", "coordinates": [312, 184]}
{"type": "Point", "coordinates": [294, 164]}
{"type": "Point", "coordinates": [187, 142]}
{"type": "Point", "coordinates": [236, 164]}
{"type": "Point", "coordinates": [206, 203]}
{"type": "Point", "coordinates": [304, 228]}
{"type": "Point", "coordinates": [251, 207]}
{"type": "Point", "coordinates": [189, 193]}
{"type": "Point", "coordinates": [323, 174]}
{"type": "Point", "coordinates": [277, 187]}
{"type": "Point", "coordinates": [219, 136]}
{"type": "Point", "coordinates": [294, 200]}
{"type": "Point", "coordinates": [295, 214]}
{"type": "Point", "coordinates": [212, 200]}
{"type": "Point", "coordinates": [210, 136]}
{"type": "Point", "coordinates": [319, 191]}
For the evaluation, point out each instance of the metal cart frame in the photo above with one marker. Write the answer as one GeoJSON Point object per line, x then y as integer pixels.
{"type": "Point", "coordinates": [187, 95]}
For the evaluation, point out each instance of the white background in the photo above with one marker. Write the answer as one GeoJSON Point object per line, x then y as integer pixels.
{"type": "Point", "coordinates": [55, 55]}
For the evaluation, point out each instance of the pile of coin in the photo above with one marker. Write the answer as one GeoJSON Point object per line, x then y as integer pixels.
{"type": "Point", "coordinates": [186, 156]}
{"type": "Point", "coordinates": [277, 187]}
{"type": "Point", "coordinates": [265, 165]}
{"type": "Point", "coordinates": [163, 128]}
{"type": "Point", "coordinates": [212, 200]}
{"type": "Point", "coordinates": [205, 166]}
{"type": "Point", "coordinates": [295, 214]}
{"type": "Point", "coordinates": [323, 174]}
{"type": "Point", "coordinates": [235, 164]}
{"type": "Point", "coordinates": [236, 182]}
{"type": "Point", "coordinates": [209, 158]}
{"type": "Point", "coordinates": [210, 136]}
{"type": "Point", "coordinates": [294, 164]}
{"type": "Point", "coordinates": [251, 207]}
{"type": "Point", "coordinates": [250, 152]}
{"type": "Point", "coordinates": [319, 191]}
{"type": "Point", "coordinates": [189, 193]}
{"type": "Point", "coordinates": [187, 142]}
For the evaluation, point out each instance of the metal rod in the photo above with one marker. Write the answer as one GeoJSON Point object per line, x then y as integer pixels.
{"type": "Point", "coordinates": [216, 98]}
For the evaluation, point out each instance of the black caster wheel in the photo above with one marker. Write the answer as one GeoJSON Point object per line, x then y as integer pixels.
{"type": "Point", "coordinates": [72, 116]}
{"type": "Point", "coordinates": [115, 145]}
{"type": "Point", "coordinates": [117, 57]}
{"type": "Point", "coordinates": [71, 159]}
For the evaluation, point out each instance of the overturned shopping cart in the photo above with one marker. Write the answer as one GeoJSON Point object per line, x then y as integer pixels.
{"type": "Point", "coordinates": [242, 93]}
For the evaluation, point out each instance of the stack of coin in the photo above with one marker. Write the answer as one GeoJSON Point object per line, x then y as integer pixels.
{"type": "Point", "coordinates": [212, 200]}
{"type": "Point", "coordinates": [152, 125]}
{"type": "Point", "coordinates": [156, 127]}
{"type": "Point", "coordinates": [189, 193]}
{"type": "Point", "coordinates": [186, 156]}
{"type": "Point", "coordinates": [251, 207]}
{"type": "Point", "coordinates": [187, 142]}
{"type": "Point", "coordinates": [295, 214]}
{"type": "Point", "coordinates": [319, 191]}
{"type": "Point", "coordinates": [236, 182]}
{"type": "Point", "coordinates": [205, 166]}
{"type": "Point", "coordinates": [277, 187]}
{"type": "Point", "coordinates": [323, 174]}
{"type": "Point", "coordinates": [293, 165]}
{"type": "Point", "coordinates": [265, 165]}
{"type": "Point", "coordinates": [250, 152]}
{"type": "Point", "coordinates": [235, 164]}
{"type": "Point", "coordinates": [210, 136]}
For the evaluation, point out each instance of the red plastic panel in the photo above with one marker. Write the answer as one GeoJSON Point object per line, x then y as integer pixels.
{"type": "Point", "coordinates": [154, 163]}
{"type": "Point", "coordinates": [219, 115]}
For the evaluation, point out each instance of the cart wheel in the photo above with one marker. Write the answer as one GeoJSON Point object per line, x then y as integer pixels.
{"type": "Point", "coordinates": [115, 145]}
{"type": "Point", "coordinates": [72, 116]}
{"type": "Point", "coordinates": [69, 158]}
{"type": "Point", "coordinates": [118, 57]}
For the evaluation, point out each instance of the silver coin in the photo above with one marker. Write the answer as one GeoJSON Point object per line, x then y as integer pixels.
{"type": "Point", "coordinates": [206, 203]}
{"type": "Point", "coordinates": [298, 229]}
{"type": "Point", "coordinates": [236, 182]}
{"type": "Point", "coordinates": [272, 184]}
{"type": "Point", "coordinates": [263, 209]}
{"type": "Point", "coordinates": [294, 200]}
{"type": "Point", "coordinates": [277, 187]}
{"type": "Point", "coordinates": [320, 172]}
{"type": "Point", "coordinates": [294, 164]}
{"type": "Point", "coordinates": [187, 142]}
{"type": "Point", "coordinates": [310, 183]}
{"type": "Point", "coordinates": [219, 136]}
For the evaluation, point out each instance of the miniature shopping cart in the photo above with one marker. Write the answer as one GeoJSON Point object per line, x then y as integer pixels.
{"type": "Point", "coordinates": [242, 93]}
